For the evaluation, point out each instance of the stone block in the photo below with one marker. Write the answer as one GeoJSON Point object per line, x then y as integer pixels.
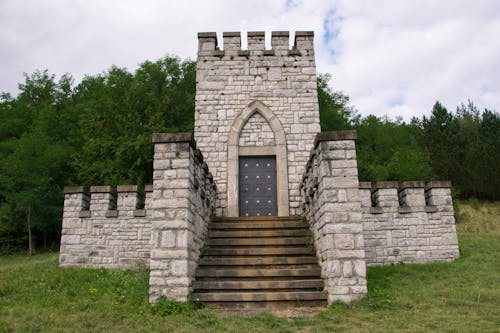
{"type": "Point", "coordinates": [343, 241]}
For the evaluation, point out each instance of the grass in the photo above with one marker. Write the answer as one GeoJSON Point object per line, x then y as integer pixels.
{"type": "Point", "coordinates": [461, 296]}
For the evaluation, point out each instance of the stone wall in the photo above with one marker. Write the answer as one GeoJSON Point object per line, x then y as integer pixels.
{"type": "Point", "coordinates": [230, 81]}
{"type": "Point", "coordinates": [331, 203]}
{"type": "Point", "coordinates": [256, 132]}
{"type": "Point", "coordinates": [411, 222]}
{"type": "Point", "coordinates": [106, 227]}
{"type": "Point", "coordinates": [182, 206]}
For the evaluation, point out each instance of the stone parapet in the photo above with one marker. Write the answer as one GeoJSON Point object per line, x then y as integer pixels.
{"type": "Point", "coordinates": [411, 222]}
{"type": "Point", "coordinates": [183, 203]}
{"type": "Point", "coordinates": [105, 227]}
{"type": "Point", "coordinates": [331, 203]}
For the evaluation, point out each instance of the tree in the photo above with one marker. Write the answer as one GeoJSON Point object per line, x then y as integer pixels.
{"type": "Point", "coordinates": [464, 148]}
{"type": "Point", "coordinates": [334, 110]}
{"type": "Point", "coordinates": [34, 160]}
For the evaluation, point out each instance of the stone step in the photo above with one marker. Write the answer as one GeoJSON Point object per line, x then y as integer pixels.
{"type": "Point", "coordinates": [245, 219]}
{"type": "Point", "coordinates": [259, 241]}
{"type": "Point", "coordinates": [302, 270]}
{"type": "Point", "coordinates": [257, 225]}
{"type": "Point", "coordinates": [259, 262]}
{"type": "Point", "coordinates": [259, 284]}
{"type": "Point", "coordinates": [296, 296]}
{"type": "Point", "coordinates": [242, 261]}
{"type": "Point", "coordinates": [260, 251]}
{"type": "Point", "coordinates": [256, 233]}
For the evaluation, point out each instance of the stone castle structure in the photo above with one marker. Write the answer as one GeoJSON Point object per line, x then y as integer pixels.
{"type": "Point", "coordinates": [257, 154]}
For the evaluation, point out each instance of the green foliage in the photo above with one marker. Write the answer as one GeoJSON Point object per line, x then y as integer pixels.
{"type": "Point", "coordinates": [118, 112]}
{"type": "Point", "coordinates": [34, 161]}
{"type": "Point", "coordinates": [99, 132]}
{"type": "Point", "coordinates": [334, 110]}
{"type": "Point", "coordinates": [464, 148]}
{"type": "Point", "coordinates": [388, 150]}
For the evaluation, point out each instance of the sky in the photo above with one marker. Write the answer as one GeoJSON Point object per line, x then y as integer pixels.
{"type": "Point", "coordinates": [392, 58]}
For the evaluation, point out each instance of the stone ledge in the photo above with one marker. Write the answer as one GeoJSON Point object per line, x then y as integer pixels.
{"type": "Point", "coordinates": [256, 34]}
{"type": "Point", "coordinates": [76, 189]}
{"type": "Point", "coordinates": [103, 189]}
{"type": "Point", "coordinates": [207, 35]}
{"type": "Point", "coordinates": [294, 52]}
{"type": "Point", "coordinates": [280, 34]}
{"type": "Point", "coordinates": [304, 33]}
{"type": "Point", "coordinates": [148, 188]}
{"type": "Point", "coordinates": [411, 184]}
{"type": "Point", "coordinates": [174, 137]}
{"type": "Point", "coordinates": [244, 53]}
{"type": "Point", "coordinates": [231, 34]}
{"type": "Point", "coordinates": [405, 209]}
{"type": "Point", "coordinates": [268, 52]}
{"type": "Point", "coordinates": [334, 136]}
{"type": "Point", "coordinates": [376, 210]}
{"type": "Point", "coordinates": [384, 184]}
{"type": "Point", "coordinates": [218, 53]}
{"type": "Point", "coordinates": [431, 209]}
{"type": "Point", "coordinates": [139, 213]}
{"type": "Point", "coordinates": [127, 188]}
{"type": "Point", "coordinates": [438, 184]}
{"type": "Point", "coordinates": [111, 213]}
{"type": "Point", "coordinates": [84, 213]}
{"type": "Point", "coordinates": [365, 185]}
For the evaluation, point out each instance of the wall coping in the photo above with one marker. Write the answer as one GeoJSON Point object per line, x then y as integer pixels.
{"type": "Point", "coordinates": [385, 184]}
{"type": "Point", "coordinates": [334, 136]}
{"type": "Point", "coordinates": [280, 34]}
{"type": "Point", "coordinates": [207, 35]}
{"type": "Point", "coordinates": [365, 185]}
{"type": "Point", "coordinates": [438, 184]}
{"type": "Point", "coordinates": [127, 188]}
{"type": "Point", "coordinates": [174, 137]}
{"type": "Point", "coordinates": [103, 189]}
{"type": "Point", "coordinates": [408, 184]}
{"type": "Point", "coordinates": [412, 184]}
{"type": "Point", "coordinates": [76, 189]}
{"type": "Point", "coordinates": [304, 33]}
{"type": "Point", "coordinates": [231, 34]}
{"type": "Point", "coordinates": [256, 33]}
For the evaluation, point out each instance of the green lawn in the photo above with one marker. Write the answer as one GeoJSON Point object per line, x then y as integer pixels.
{"type": "Point", "coordinates": [462, 296]}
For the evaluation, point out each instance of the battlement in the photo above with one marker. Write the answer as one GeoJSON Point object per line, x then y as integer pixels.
{"type": "Point", "coordinates": [405, 197]}
{"type": "Point", "coordinates": [108, 201]}
{"type": "Point", "coordinates": [303, 44]}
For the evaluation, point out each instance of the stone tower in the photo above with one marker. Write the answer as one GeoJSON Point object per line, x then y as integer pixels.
{"type": "Point", "coordinates": [256, 107]}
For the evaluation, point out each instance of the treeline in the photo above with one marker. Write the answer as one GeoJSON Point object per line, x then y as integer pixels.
{"type": "Point", "coordinates": [98, 132]}
{"type": "Point", "coordinates": [461, 146]}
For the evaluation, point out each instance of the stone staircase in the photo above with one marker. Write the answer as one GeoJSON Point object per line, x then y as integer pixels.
{"type": "Point", "coordinates": [259, 262]}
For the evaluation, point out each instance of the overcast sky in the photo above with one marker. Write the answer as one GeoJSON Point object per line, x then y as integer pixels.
{"type": "Point", "coordinates": [392, 58]}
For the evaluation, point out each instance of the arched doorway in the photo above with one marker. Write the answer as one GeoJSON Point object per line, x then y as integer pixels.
{"type": "Point", "coordinates": [257, 139]}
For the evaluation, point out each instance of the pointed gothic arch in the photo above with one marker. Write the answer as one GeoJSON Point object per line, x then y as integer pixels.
{"type": "Point", "coordinates": [279, 150]}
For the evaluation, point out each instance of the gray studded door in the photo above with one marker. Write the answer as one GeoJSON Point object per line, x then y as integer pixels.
{"type": "Point", "coordinates": [257, 186]}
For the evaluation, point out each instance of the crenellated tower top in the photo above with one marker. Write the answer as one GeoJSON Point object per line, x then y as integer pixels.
{"type": "Point", "coordinates": [280, 41]}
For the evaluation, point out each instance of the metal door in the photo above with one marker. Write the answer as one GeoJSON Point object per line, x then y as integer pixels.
{"type": "Point", "coordinates": [257, 185]}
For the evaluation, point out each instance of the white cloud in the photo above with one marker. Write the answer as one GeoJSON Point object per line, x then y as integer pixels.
{"type": "Point", "coordinates": [390, 57]}
{"type": "Point", "coordinates": [399, 57]}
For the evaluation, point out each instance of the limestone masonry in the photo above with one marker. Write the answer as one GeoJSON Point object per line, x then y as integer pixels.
{"type": "Point", "coordinates": [257, 142]}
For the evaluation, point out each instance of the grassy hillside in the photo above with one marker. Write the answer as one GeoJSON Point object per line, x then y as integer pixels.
{"type": "Point", "coordinates": [462, 296]}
